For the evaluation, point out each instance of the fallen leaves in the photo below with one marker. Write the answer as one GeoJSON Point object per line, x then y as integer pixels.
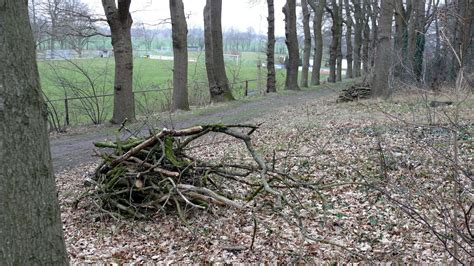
{"type": "Point", "coordinates": [334, 146]}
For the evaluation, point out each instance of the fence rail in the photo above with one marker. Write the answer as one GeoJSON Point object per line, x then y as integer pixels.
{"type": "Point", "coordinates": [67, 100]}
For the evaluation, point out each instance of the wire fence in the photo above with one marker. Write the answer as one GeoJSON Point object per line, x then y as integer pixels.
{"type": "Point", "coordinates": [97, 108]}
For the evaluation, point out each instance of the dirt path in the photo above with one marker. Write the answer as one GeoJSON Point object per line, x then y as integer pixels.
{"type": "Point", "coordinates": [71, 150]}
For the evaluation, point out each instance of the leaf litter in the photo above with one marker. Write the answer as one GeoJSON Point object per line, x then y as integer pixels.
{"type": "Point", "coordinates": [335, 146]}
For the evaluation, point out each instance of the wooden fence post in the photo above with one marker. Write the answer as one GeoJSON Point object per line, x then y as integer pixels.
{"type": "Point", "coordinates": [246, 88]}
{"type": "Point", "coordinates": [66, 109]}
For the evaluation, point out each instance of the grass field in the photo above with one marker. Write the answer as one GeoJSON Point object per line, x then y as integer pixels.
{"type": "Point", "coordinates": [94, 77]}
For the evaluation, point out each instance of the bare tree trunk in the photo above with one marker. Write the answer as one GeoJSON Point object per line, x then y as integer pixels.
{"type": "Point", "coordinates": [120, 22]}
{"type": "Point", "coordinates": [349, 23]}
{"type": "Point", "coordinates": [419, 16]}
{"type": "Point", "coordinates": [215, 67]}
{"type": "Point", "coordinates": [292, 44]}
{"type": "Point", "coordinates": [271, 75]}
{"type": "Point", "coordinates": [318, 40]}
{"type": "Point", "coordinates": [333, 49]}
{"type": "Point", "coordinates": [467, 39]}
{"type": "Point", "coordinates": [382, 58]}
{"type": "Point", "coordinates": [339, 43]}
{"type": "Point", "coordinates": [359, 24]}
{"type": "Point", "coordinates": [307, 44]}
{"type": "Point", "coordinates": [180, 52]}
{"type": "Point", "coordinates": [468, 44]}
{"type": "Point", "coordinates": [30, 223]}
{"type": "Point", "coordinates": [366, 38]}
{"type": "Point", "coordinates": [374, 30]}
{"type": "Point", "coordinates": [402, 16]}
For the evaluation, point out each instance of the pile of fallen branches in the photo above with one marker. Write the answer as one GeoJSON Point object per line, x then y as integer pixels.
{"type": "Point", "coordinates": [354, 93]}
{"type": "Point", "coordinates": [145, 175]}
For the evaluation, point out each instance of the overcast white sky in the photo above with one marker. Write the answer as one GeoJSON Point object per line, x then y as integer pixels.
{"type": "Point", "coordinates": [235, 13]}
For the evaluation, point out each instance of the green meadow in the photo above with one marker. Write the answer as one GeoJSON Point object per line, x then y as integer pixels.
{"type": "Point", "coordinates": [91, 78]}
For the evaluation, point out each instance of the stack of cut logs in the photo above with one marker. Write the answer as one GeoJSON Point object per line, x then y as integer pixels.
{"type": "Point", "coordinates": [354, 93]}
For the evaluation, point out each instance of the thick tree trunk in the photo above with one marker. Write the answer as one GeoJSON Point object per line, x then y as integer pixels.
{"type": "Point", "coordinates": [318, 40]}
{"type": "Point", "coordinates": [180, 53]}
{"type": "Point", "coordinates": [217, 78]}
{"type": "Point", "coordinates": [333, 49]}
{"type": "Point", "coordinates": [120, 22]}
{"type": "Point", "coordinates": [418, 39]}
{"type": "Point", "coordinates": [382, 58]}
{"type": "Point", "coordinates": [373, 9]}
{"type": "Point", "coordinates": [358, 26]}
{"type": "Point", "coordinates": [466, 46]}
{"type": "Point", "coordinates": [292, 44]}
{"type": "Point", "coordinates": [349, 23]}
{"type": "Point", "coordinates": [271, 74]}
{"type": "Point", "coordinates": [402, 16]}
{"type": "Point", "coordinates": [30, 223]}
{"type": "Point", "coordinates": [307, 44]}
{"type": "Point", "coordinates": [366, 39]}
{"type": "Point", "coordinates": [468, 43]}
{"type": "Point", "coordinates": [339, 43]}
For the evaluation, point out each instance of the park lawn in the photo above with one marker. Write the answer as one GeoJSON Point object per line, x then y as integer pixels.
{"type": "Point", "coordinates": [94, 77]}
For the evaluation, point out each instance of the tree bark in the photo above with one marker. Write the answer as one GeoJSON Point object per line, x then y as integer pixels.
{"type": "Point", "coordinates": [373, 11]}
{"type": "Point", "coordinates": [468, 43]}
{"type": "Point", "coordinates": [358, 26]}
{"type": "Point", "coordinates": [318, 40]}
{"type": "Point", "coordinates": [416, 39]}
{"type": "Point", "coordinates": [30, 223]}
{"type": "Point", "coordinates": [180, 53]}
{"type": "Point", "coordinates": [334, 11]}
{"type": "Point", "coordinates": [366, 38]}
{"type": "Point", "coordinates": [402, 16]}
{"type": "Point", "coordinates": [466, 8]}
{"type": "Point", "coordinates": [307, 44]}
{"type": "Point", "coordinates": [120, 22]}
{"type": "Point", "coordinates": [349, 24]}
{"type": "Point", "coordinates": [271, 74]}
{"type": "Point", "coordinates": [292, 44]}
{"type": "Point", "coordinates": [382, 58]}
{"type": "Point", "coordinates": [339, 42]}
{"type": "Point", "coordinates": [217, 78]}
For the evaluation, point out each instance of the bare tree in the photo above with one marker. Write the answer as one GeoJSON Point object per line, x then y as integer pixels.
{"type": "Point", "coordinates": [339, 42]}
{"type": "Point", "coordinates": [383, 54]}
{"type": "Point", "coordinates": [120, 22]}
{"type": "Point", "coordinates": [416, 38]}
{"type": "Point", "coordinates": [146, 35]}
{"type": "Point", "coordinates": [318, 9]}
{"type": "Point", "coordinates": [402, 17]}
{"type": "Point", "coordinates": [30, 222]}
{"type": "Point", "coordinates": [349, 24]}
{"type": "Point", "coordinates": [215, 67]}
{"type": "Point", "coordinates": [271, 76]}
{"type": "Point", "coordinates": [366, 37]}
{"type": "Point", "coordinates": [307, 44]}
{"type": "Point", "coordinates": [333, 49]}
{"type": "Point", "coordinates": [291, 40]}
{"type": "Point", "coordinates": [358, 27]}
{"type": "Point", "coordinates": [76, 25]}
{"type": "Point", "coordinates": [180, 52]}
{"type": "Point", "coordinates": [53, 10]}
